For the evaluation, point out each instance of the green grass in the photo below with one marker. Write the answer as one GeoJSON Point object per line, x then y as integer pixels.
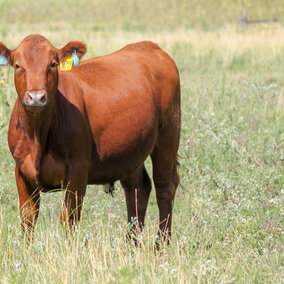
{"type": "Point", "coordinates": [140, 14]}
{"type": "Point", "coordinates": [228, 217]}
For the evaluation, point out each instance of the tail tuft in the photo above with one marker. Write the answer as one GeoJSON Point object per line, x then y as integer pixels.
{"type": "Point", "coordinates": [109, 188]}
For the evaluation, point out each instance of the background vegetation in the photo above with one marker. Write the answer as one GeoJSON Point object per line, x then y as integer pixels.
{"type": "Point", "coordinates": [228, 215]}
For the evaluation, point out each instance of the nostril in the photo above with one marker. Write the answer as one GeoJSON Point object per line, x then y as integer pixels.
{"type": "Point", "coordinates": [30, 97]}
{"type": "Point", "coordinates": [43, 99]}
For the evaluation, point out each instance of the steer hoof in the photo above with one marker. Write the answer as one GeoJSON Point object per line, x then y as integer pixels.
{"type": "Point", "coordinates": [133, 239]}
{"type": "Point", "coordinates": [162, 239]}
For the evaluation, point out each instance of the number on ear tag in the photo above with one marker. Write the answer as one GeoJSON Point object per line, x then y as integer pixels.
{"type": "Point", "coordinates": [66, 64]}
{"type": "Point", "coordinates": [3, 60]}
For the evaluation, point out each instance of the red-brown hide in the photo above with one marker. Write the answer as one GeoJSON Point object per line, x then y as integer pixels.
{"type": "Point", "coordinates": [94, 124]}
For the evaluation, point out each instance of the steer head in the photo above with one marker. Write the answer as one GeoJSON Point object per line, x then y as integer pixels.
{"type": "Point", "coordinates": [36, 64]}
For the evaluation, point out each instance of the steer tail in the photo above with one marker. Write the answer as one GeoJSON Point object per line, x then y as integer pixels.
{"type": "Point", "coordinates": [109, 188]}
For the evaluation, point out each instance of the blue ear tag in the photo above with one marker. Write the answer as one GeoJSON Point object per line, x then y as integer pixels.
{"type": "Point", "coordinates": [3, 60]}
{"type": "Point", "coordinates": [75, 58]}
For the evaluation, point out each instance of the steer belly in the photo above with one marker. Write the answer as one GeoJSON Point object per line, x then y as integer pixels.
{"type": "Point", "coordinates": [122, 147]}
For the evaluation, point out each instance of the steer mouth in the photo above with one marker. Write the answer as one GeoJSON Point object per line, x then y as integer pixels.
{"type": "Point", "coordinates": [34, 109]}
{"type": "Point", "coordinates": [35, 101]}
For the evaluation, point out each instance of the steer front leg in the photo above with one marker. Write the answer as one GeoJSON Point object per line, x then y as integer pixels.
{"type": "Point", "coordinates": [29, 198]}
{"type": "Point", "coordinates": [73, 202]}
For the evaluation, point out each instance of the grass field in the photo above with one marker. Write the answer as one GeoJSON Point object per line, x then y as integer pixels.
{"type": "Point", "coordinates": [228, 224]}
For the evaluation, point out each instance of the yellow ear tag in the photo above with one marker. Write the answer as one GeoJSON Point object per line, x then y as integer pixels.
{"type": "Point", "coordinates": [67, 63]}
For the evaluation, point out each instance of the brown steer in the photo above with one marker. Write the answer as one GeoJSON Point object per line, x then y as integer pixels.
{"type": "Point", "coordinates": [94, 124]}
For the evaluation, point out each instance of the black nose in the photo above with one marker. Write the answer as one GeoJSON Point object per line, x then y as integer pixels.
{"type": "Point", "coordinates": [35, 98]}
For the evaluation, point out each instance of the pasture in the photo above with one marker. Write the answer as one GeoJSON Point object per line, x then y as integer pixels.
{"type": "Point", "coordinates": [228, 217]}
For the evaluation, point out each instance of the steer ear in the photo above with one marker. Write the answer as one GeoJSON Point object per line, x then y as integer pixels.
{"type": "Point", "coordinates": [68, 49]}
{"type": "Point", "coordinates": [5, 55]}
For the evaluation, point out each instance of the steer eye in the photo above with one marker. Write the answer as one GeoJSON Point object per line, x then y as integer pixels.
{"type": "Point", "coordinates": [17, 66]}
{"type": "Point", "coordinates": [51, 66]}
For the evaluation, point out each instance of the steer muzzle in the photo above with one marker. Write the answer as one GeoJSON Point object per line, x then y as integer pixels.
{"type": "Point", "coordinates": [35, 101]}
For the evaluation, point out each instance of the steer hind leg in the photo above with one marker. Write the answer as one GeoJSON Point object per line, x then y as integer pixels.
{"type": "Point", "coordinates": [165, 175]}
{"type": "Point", "coordinates": [137, 188]}
{"type": "Point", "coordinates": [166, 180]}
